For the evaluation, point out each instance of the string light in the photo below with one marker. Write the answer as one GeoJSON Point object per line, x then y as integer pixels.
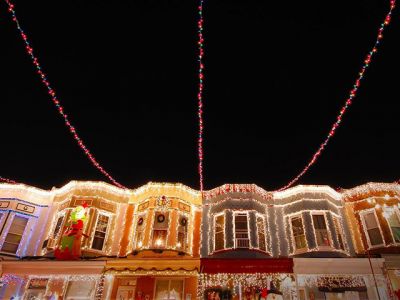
{"type": "Point", "coordinates": [3, 179]}
{"type": "Point", "coordinates": [200, 43]}
{"type": "Point", "coordinates": [56, 101]}
{"type": "Point", "coordinates": [349, 100]}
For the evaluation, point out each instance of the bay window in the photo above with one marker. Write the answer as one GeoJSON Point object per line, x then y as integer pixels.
{"type": "Point", "coordinates": [100, 232]}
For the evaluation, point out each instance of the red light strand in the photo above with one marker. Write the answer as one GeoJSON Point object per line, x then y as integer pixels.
{"type": "Point", "coordinates": [3, 179]}
{"type": "Point", "coordinates": [200, 43]}
{"type": "Point", "coordinates": [349, 100]}
{"type": "Point", "coordinates": [56, 101]}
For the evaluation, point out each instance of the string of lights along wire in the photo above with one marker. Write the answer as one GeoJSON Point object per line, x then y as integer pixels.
{"type": "Point", "coordinates": [56, 101]}
{"type": "Point", "coordinates": [349, 100]}
{"type": "Point", "coordinates": [200, 91]}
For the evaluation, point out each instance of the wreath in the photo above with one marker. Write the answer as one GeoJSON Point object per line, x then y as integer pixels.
{"type": "Point", "coordinates": [140, 221]}
{"type": "Point", "coordinates": [183, 221]}
{"type": "Point", "coordinates": [160, 218]}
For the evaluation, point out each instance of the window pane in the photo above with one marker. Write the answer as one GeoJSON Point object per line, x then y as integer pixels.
{"type": "Point", "coordinates": [261, 234]}
{"type": "Point", "coordinates": [241, 232]}
{"type": "Point", "coordinates": [394, 220]}
{"type": "Point", "coordinates": [162, 289]}
{"type": "Point", "coordinates": [241, 222]}
{"type": "Point", "coordinates": [219, 232]}
{"type": "Point", "coordinates": [322, 237]}
{"type": "Point", "coordinates": [58, 226]}
{"type": "Point", "coordinates": [370, 220]}
{"type": "Point", "coordinates": [159, 238]}
{"type": "Point", "coordinates": [319, 221]}
{"type": "Point", "coordinates": [219, 223]}
{"type": "Point", "coordinates": [219, 241]}
{"type": "Point", "coordinates": [83, 290]}
{"type": "Point", "coordinates": [176, 290]}
{"type": "Point", "coordinates": [375, 236]}
{"type": "Point", "coordinates": [14, 235]}
{"type": "Point", "coordinates": [300, 241]}
{"type": "Point", "coordinates": [339, 232]}
{"type": "Point", "coordinates": [297, 226]}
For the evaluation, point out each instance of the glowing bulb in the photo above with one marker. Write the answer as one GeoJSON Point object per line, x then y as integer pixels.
{"type": "Point", "coordinates": [140, 244]}
{"type": "Point", "coordinates": [158, 242]}
{"type": "Point", "coordinates": [179, 244]}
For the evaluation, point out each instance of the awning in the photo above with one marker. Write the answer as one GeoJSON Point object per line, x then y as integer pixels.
{"type": "Point", "coordinates": [232, 265]}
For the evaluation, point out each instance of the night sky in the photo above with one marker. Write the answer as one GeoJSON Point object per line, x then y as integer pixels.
{"type": "Point", "coordinates": [276, 75]}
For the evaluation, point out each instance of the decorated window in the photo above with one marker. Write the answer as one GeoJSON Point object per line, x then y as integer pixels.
{"type": "Point", "coordinates": [181, 243]}
{"type": "Point", "coordinates": [219, 232]}
{"type": "Point", "coordinates": [14, 235]}
{"type": "Point", "coordinates": [241, 231]}
{"type": "Point", "coordinates": [160, 229]}
{"type": "Point", "coordinates": [321, 231]}
{"type": "Point", "coordinates": [339, 232]}
{"type": "Point", "coordinates": [140, 226]}
{"type": "Point", "coordinates": [371, 227]}
{"type": "Point", "coordinates": [80, 289]}
{"type": "Point", "coordinates": [299, 237]}
{"type": "Point", "coordinates": [261, 233]}
{"type": "Point", "coordinates": [169, 289]}
{"type": "Point", "coordinates": [100, 232]}
{"type": "Point", "coordinates": [394, 223]}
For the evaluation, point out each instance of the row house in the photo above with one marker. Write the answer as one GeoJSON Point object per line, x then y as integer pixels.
{"type": "Point", "coordinates": [167, 241]}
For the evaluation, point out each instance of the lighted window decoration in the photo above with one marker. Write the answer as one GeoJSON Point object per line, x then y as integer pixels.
{"type": "Point", "coordinates": [394, 223]}
{"type": "Point", "coordinates": [140, 226]}
{"type": "Point", "coordinates": [298, 233]}
{"type": "Point", "coordinates": [339, 232]}
{"type": "Point", "coordinates": [321, 232]}
{"type": "Point", "coordinates": [182, 233]}
{"type": "Point", "coordinates": [160, 229]}
{"type": "Point", "coordinates": [100, 232]}
{"type": "Point", "coordinates": [241, 231]}
{"type": "Point", "coordinates": [262, 245]}
{"type": "Point", "coordinates": [169, 289]}
{"type": "Point", "coordinates": [372, 229]}
{"type": "Point", "coordinates": [219, 232]}
{"type": "Point", "coordinates": [14, 235]}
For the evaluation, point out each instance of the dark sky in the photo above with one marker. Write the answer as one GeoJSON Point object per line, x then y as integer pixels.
{"type": "Point", "coordinates": [276, 75]}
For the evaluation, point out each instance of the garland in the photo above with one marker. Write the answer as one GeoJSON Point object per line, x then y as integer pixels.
{"type": "Point", "coordinates": [200, 92]}
{"type": "Point", "coordinates": [56, 101]}
{"type": "Point", "coordinates": [349, 100]}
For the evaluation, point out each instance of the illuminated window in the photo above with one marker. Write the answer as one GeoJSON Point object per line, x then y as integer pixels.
{"type": "Point", "coordinates": [14, 235]}
{"type": "Point", "coordinates": [339, 232]}
{"type": "Point", "coordinates": [261, 233]}
{"type": "Point", "coordinates": [36, 288]}
{"type": "Point", "coordinates": [80, 289]}
{"type": "Point", "coordinates": [100, 232]}
{"type": "Point", "coordinates": [394, 223]}
{"type": "Point", "coordinates": [241, 231]}
{"type": "Point", "coordinates": [160, 230]}
{"type": "Point", "coordinates": [219, 232]}
{"type": "Point", "coordinates": [371, 226]}
{"type": "Point", "coordinates": [182, 234]}
{"type": "Point", "coordinates": [169, 289]}
{"type": "Point", "coordinates": [298, 233]}
{"type": "Point", "coordinates": [140, 226]}
{"type": "Point", "coordinates": [321, 232]}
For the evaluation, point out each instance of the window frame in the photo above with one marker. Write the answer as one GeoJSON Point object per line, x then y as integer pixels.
{"type": "Point", "coordinates": [329, 234]}
{"type": "Point", "coordinates": [362, 214]}
{"type": "Point", "coordinates": [215, 230]}
{"type": "Point", "coordinates": [265, 232]}
{"type": "Point", "coordinates": [169, 285]}
{"type": "Point", "coordinates": [109, 223]}
{"type": "Point", "coordinates": [246, 213]}
{"type": "Point", "coordinates": [11, 221]}
{"type": "Point", "coordinates": [186, 247]}
{"type": "Point", "coordinates": [168, 229]}
{"type": "Point", "coordinates": [397, 212]}
{"type": "Point", "coordinates": [136, 231]}
{"type": "Point", "coordinates": [295, 249]}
